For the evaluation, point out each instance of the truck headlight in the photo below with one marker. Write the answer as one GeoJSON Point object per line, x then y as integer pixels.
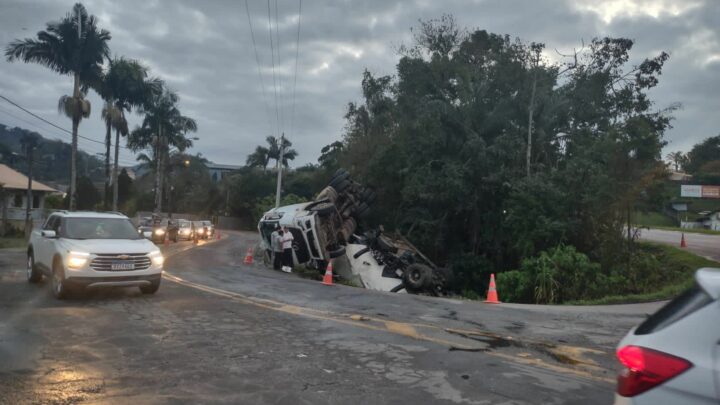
{"type": "Point", "coordinates": [157, 258]}
{"type": "Point", "coordinates": [159, 232]}
{"type": "Point", "coordinates": [76, 260]}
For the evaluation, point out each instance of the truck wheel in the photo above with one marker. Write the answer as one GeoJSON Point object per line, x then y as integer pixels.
{"type": "Point", "coordinates": [340, 184]}
{"type": "Point", "coordinates": [33, 275]}
{"type": "Point", "coordinates": [59, 287]}
{"type": "Point", "coordinates": [340, 173]}
{"type": "Point", "coordinates": [337, 252]}
{"type": "Point", "coordinates": [417, 276]}
{"type": "Point", "coordinates": [152, 288]}
{"type": "Point", "coordinates": [323, 208]}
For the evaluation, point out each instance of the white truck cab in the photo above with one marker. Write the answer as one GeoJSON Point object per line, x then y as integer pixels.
{"type": "Point", "coordinates": [85, 250]}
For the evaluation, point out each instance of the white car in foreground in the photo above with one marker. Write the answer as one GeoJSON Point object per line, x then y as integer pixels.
{"type": "Point", "coordinates": [674, 356]}
{"type": "Point", "coordinates": [86, 250]}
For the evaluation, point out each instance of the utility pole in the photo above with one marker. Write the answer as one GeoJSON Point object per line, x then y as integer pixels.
{"type": "Point", "coordinates": [158, 172]}
{"type": "Point", "coordinates": [279, 167]}
{"type": "Point", "coordinates": [29, 146]}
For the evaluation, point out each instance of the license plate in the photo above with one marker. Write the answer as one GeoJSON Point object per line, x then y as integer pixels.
{"type": "Point", "coordinates": [122, 266]}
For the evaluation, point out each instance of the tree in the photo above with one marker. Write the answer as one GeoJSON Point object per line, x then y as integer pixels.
{"type": "Point", "coordinates": [678, 159]}
{"type": "Point", "coordinates": [124, 86]}
{"type": "Point", "coordinates": [29, 143]}
{"type": "Point", "coordinates": [88, 196]}
{"type": "Point", "coordinates": [703, 152]}
{"type": "Point", "coordinates": [259, 158]}
{"type": "Point", "coordinates": [262, 155]}
{"type": "Point", "coordinates": [330, 155]}
{"type": "Point", "coordinates": [125, 187]}
{"type": "Point", "coordinates": [445, 143]}
{"type": "Point", "coordinates": [163, 127]}
{"type": "Point", "coordinates": [75, 46]}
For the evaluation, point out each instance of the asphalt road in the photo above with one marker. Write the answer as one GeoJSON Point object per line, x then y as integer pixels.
{"type": "Point", "coordinates": [701, 244]}
{"type": "Point", "coordinates": [219, 331]}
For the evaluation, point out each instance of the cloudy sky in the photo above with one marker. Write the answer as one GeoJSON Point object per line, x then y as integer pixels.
{"type": "Point", "coordinates": [204, 50]}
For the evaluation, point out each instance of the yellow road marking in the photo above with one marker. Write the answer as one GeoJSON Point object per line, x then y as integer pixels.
{"type": "Point", "coordinates": [398, 328]}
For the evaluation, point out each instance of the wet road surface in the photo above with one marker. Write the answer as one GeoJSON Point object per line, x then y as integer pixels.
{"type": "Point", "coordinates": [219, 331]}
{"type": "Point", "coordinates": [705, 245]}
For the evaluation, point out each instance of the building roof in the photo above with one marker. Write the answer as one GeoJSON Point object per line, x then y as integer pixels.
{"type": "Point", "coordinates": [218, 166]}
{"type": "Point", "coordinates": [12, 179]}
{"type": "Point", "coordinates": [90, 214]}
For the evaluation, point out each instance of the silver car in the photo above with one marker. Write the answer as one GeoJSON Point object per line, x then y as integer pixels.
{"type": "Point", "coordinates": [673, 357]}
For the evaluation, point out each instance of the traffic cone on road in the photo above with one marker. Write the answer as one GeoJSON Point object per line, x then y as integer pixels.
{"type": "Point", "coordinates": [682, 241]}
{"type": "Point", "coordinates": [249, 256]}
{"type": "Point", "coordinates": [492, 297]}
{"type": "Point", "coordinates": [327, 278]}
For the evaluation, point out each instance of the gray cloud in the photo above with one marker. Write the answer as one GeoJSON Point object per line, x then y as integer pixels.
{"type": "Point", "coordinates": [204, 51]}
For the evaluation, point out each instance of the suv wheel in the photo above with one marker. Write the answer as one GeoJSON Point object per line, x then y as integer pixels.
{"type": "Point", "coordinates": [59, 287]}
{"type": "Point", "coordinates": [152, 288]}
{"type": "Point", "coordinates": [33, 275]}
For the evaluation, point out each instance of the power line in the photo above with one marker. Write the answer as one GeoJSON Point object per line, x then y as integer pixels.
{"type": "Point", "coordinates": [297, 52]}
{"type": "Point", "coordinates": [52, 123]}
{"type": "Point", "coordinates": [280, 81]}
{"type": "Point", "coordinates": [272, 53]}
{"type": "Point", "coordinates": [257, 61]}
{"type": "Point", "coordinates": [46, 133]}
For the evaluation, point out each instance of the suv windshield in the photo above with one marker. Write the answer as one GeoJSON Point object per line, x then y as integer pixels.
{"type": "Point", "coordinates": [99, 228]}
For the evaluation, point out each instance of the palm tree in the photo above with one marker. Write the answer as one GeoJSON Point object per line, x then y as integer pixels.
{"type": "Point", "coordinates": [163, 127]}
{"type": "Point", "coordinates": [75, 46]}
{"type": "Point", "coordinates": [259, 158]}
{"type": "Point", "coordinates": [274, 150]}
{"type": "Point", "coordinates": [124, 86]}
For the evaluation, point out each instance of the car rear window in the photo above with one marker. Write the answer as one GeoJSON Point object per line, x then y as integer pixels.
{"type": "Point", "coordinates": [680, 307]}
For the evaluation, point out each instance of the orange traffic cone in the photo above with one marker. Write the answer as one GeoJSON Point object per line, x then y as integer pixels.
{"type": "Point", "coordinates": [682, 241]}
{"type": "Point", "coordinates": [249, 256]}
{"type": "Point", "coordinates": [492, 297]}
{"type": "Point", "coordinates": [327, 278]}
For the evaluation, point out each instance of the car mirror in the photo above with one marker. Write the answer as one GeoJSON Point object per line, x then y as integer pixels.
{"type": "Point", "coordinates": [147, 234]}
{"type": "Point", "coordinates": [48, 233]}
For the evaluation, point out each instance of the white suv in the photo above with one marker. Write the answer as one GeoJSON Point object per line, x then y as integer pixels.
{"type": "Point", "coordinates": [84, 250]}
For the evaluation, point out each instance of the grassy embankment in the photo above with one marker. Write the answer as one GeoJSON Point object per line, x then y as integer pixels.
{"type": "Point", "coordinates": [674, 261]}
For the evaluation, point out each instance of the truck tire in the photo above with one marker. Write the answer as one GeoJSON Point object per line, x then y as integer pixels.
{"type": "Point", "coordinates": [323, 209]}
{"type": "Point", "coordinates": [152, 288]}
{"type": "Point", "coordinates": [368, 196]}
{"type": "Point", "coordinates": [337, 252]}
{"type": "Point", "coordinates": [417, 276]}
{"type": "Point", "coordinates": [58, 284]}
{"type": "Point", "coordinates": [340, 173]}
{"type": "Point", "coordinates": [340, 184]}
{"type": "Point", "coordinates": [33, 275]}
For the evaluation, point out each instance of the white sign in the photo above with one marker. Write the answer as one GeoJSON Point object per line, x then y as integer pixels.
{"type": "Point", "coordinates": [690, 191]}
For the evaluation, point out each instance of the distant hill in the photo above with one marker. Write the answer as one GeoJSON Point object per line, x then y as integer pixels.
{"type": "Point", "coordinates": [52, 158]}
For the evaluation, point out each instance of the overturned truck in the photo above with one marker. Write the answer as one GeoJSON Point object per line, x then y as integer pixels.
{"type": "Point", "coordinates": [330, 228]}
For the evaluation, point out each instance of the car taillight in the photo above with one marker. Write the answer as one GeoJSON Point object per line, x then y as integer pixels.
{"type": "Point", "coordinates": [646, 368]}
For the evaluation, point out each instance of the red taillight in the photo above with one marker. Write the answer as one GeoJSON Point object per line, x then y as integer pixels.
{"type": "Point", "coordinates": [645, 368]}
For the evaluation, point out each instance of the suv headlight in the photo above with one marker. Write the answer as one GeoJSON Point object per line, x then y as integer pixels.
{"type": "Point", "coordinates": [159, 232]}
{"type": "Point", "coordinates": [76, 260]}
{"type": "Point", "coordinates": [157, 258]}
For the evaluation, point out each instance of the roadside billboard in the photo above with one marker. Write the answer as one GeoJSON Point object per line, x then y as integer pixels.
{"type": "Point", "coordinates": [690, 191]}
{"type": "Point", "coordinates": [710, 191]}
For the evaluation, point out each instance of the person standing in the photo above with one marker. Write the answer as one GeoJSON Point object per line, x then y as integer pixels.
{"type": "Point", "coordinates": [276, 246]}
{"type": "Point", "coordinates": [287, 240]}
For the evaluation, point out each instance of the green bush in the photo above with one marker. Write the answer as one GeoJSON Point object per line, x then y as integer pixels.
{"type": "Point", "coordinates": [556, 275]}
